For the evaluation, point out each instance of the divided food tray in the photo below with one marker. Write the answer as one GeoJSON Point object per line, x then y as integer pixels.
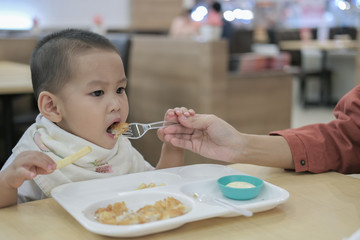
{"type": "Point", "coordinates": [81, 199]}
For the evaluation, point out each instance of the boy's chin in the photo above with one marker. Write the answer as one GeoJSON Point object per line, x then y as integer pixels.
{"type": "Point", "coordinates": [108, 145]}
{"type": "Point", "coordinates": [111, 146]}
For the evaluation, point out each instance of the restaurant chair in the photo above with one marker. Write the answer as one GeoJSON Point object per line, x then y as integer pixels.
{"type": "Point", "coordinates": [312, 69]}
{"type": "Point", "coordinates": [25, 113]}
{"type": "Point", "coordinates": [348, 31]}
{"type": "Point", "coordinates": [305, 74]}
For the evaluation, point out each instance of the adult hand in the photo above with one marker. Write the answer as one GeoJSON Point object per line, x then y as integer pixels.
{"type": "Point", "coordinates": [208, 136]}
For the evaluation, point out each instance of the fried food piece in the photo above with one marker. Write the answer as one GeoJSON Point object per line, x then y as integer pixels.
{"type": "Point", "coordinates": [109, 214]}
{"type": "Point", "coordinates": [150, 185]}
{"type": "Point", "coordinates": [170, 207]}
{"type": "Point", "coordinates": [128, 219]}
{"type": "Point", "coordinates": [120, 208]}
{"type": "Point", "coordinates": [107, 218]}
{"type": "Point", "coordinates": [118, 213]}
{"type": "Point", "coordinates": [142, 186]}
{"type": "Point", "coordinates": [148, 214]}
{"type": "Point", "coordinates": [119, 128]}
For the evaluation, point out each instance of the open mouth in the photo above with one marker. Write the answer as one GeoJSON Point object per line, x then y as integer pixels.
{"type": "Point", "coordinates": [117, 128]}
{"type": "Point", "coordinates": [110, 129]}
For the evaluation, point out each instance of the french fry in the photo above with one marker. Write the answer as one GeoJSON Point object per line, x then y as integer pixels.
{"type": "Point", "coordinates": [72, 158]}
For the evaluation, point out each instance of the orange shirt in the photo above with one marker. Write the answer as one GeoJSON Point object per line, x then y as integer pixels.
{"type": "Point", "coordinates": [334, 146]}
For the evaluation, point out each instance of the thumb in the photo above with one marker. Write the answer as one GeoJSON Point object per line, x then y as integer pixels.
{"type": "Point", "coordinates": [198, 121]}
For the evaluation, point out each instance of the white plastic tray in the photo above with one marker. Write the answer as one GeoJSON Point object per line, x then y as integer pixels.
{"type": "Point", "coordinates": [81, 199]}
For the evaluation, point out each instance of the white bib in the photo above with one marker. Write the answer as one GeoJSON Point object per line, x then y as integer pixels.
{"type": "Point", "coordinates": [47, 137]}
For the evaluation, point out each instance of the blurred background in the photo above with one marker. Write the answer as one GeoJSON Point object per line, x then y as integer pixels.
{"type": "Point", "coordinates": [262, 65]}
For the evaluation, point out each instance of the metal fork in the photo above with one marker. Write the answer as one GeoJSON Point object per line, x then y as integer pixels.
{"type": "Point", "coordinates": [232, 207]}
{"type": "Point", "coordinates": [137, 130]}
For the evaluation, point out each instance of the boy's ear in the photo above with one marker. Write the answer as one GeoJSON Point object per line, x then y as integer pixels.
{"type": "Point", "coordinates": [48, 106]}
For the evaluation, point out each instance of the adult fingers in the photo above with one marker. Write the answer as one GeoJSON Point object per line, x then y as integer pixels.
{"type": "Point", "coordinates": [198, 121]}
{"type": "Point", "coordinates": [176, 129]}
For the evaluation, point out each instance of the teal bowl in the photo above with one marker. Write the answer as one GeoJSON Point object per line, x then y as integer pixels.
{"type": "Point", "coordinates": [240, 193]}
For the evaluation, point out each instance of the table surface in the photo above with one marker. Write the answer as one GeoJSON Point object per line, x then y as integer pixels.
{"type": "Point", "coordinates": [322, 45]}
{"type": "Point", "coordinates": [15, 78]}
{"type": "Point", "coordinates": [321, 206]}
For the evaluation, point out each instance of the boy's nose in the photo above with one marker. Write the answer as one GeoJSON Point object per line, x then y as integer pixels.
{"type": "Point", "coordinates": [115, 105]}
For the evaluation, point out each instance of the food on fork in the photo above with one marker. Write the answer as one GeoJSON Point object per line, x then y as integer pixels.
{"type": "Point", "coordinates": [74, 157]}
{"type": "Point", "coordinates": [119, 214]}
{"type": "Point", "coordinates": [119, 128]}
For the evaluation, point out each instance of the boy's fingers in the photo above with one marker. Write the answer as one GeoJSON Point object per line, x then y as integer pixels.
{"type": "Point", "coordinates": [22, 174]}
{"type": "Point", "coordinates": [38, 160]}
{"type": "Point", "coordinates": [189, 113]}
{"type": "Point", "coordinates": [45, 164]}
{"type": "Point", "coordinates": [170, 112]}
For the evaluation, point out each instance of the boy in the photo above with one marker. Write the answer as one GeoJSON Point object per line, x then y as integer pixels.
{"type": "Point", "coordinates": [79, 83]}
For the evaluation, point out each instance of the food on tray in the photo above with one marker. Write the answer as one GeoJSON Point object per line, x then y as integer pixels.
{"type": "Point", "coordinates": [74, 157]}
{"type": "Point", "coordinates": [240, 185]}
{"type": "Point", "coordinates": [119, 128]}
{"type": "Point", "coordinates": [150, 185]}
{"type": "Point", "coordinates": [119, 214]}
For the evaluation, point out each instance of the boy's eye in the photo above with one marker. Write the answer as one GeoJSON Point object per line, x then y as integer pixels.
{"type": "Point", "coordinates": [120, 90]}
{"type": "Point", "coordinates": [98, 93]}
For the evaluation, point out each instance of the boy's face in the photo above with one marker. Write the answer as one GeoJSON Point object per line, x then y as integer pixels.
{"type": "Point", "coordinates": [94, 97]}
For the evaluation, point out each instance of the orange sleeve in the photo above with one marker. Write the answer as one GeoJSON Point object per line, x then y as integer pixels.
{"type": "Point", "coordinates": [334, 146]}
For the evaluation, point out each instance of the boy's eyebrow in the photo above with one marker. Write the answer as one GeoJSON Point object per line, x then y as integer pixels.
{"type": "Point", "coordinates": [124, 80]}
{"type": "Point", "coordinates": [98, 81]}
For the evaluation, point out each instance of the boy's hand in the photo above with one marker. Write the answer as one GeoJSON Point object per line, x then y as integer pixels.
{"type": "Point", "coordinates": [171, 155]}
{"type": "Point", "coordinates": [26, 166]}
{"type": "Point", "coordinates": [173, 115]}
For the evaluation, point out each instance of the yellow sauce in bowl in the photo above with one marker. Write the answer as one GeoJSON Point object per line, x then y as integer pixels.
{"type": "Point", "coordinates": [240, 185]}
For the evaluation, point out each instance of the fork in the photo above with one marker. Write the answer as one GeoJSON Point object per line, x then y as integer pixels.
{"type": "Point", "coordinates": [232, 207]}
{"type": "Point", "coordinates": [137, 130]}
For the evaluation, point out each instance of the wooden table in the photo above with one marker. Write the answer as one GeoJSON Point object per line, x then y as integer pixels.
{"type": "Point", "coordinates": [315, 44]}
{"type": "Point", "coordinates": [324, 47]}
{"type": "Point", "coordinates": [15, 79]}
{"type": "Point", "coordinates": [321, 206]}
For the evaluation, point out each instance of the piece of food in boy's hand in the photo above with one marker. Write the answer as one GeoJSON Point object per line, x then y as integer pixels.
{"type": "Point", "coordinates": [72, 158]}
{"type": "Point", "coordinates": [119, 128]}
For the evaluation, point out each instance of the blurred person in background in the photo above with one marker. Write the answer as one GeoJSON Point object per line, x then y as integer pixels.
{"type": "Point", "coordinates": [214, 25]}
{"type": "Point", "coordinates": [214, 17]}
{"type": "Point", "coordinates": [184, 26]}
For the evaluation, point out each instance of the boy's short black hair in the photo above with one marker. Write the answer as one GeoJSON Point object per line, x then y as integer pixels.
{"type": "Point", "coordinates": [51, 61]}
